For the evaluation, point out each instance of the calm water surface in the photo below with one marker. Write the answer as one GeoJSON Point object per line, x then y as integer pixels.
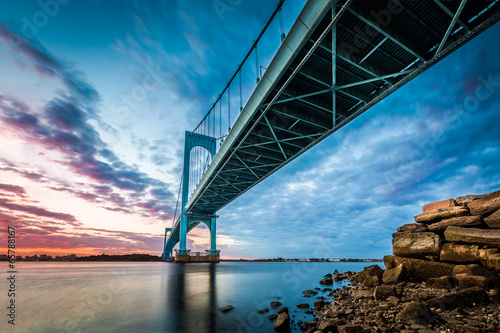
{"type": "Point", "coordinates": [158, 296]}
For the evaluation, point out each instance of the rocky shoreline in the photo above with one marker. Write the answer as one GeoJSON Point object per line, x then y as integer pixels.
{"type": "Point", "coordinates": [443, 277]}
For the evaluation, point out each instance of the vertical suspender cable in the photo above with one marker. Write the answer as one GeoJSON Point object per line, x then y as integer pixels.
{"type": "Point", "coordinates": [241, 94]}
{"type": "Point", "coordinates": [228, 109]}
{"type": "Point", "coordinates": [257, 64]}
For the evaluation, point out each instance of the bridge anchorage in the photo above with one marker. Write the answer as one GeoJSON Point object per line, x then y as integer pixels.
{"type": "Point", "coordinates": [189, 219]}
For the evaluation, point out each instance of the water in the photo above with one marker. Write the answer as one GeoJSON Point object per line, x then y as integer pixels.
{"type": "Point", "coordinates": [160, 297]}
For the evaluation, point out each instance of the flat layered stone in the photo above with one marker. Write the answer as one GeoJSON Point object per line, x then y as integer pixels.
{"type": "Point", "coordinates": [459, 252]}
{"type": "Point", "coordinates": [413, 227]}
{"type": "Point", "coordinates": [489, 203]}
{"type": "Point", "coordinates": [441, 214]}
{"type": "Point", "coordinates": [418, 270]}
{"type": "Point", "coordinates": [486, 237]}
{"type": "Point", "coordinates": [490, 258]}
{"type": "Point", "coordinates": [394, 275]}
{"type": "Point", "coordinates": [493, 221]}
{"type": "Point", "coordinates": [417, 244]}
{"type": "Point", "coordinates": [439, 204]}
{"type": "Point", "coordinates": [473, 270]}
{"type": "Point", "coordinates": [464, 201]}
{"type": "Point", "coordinates": [461, 221]}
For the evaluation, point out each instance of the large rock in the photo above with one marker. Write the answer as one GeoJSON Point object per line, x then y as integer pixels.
{"type": "Point", "coordinates": [489, 203]}
{"type": "Point", "coordinates": [351, 329]}
{"type": "Point", "coordinates": [466, 199]}
{"type": "Point", "coordinates": [467, 281]}
{"type": "Point", "coordinates": [329, 325]}
{"type": "Point", "coordinates": [370, 276]}
{"type": "Point", "coordinates": [463, 298]}
{"type": "Point", "coordinates": [461, 221]}
{"type": "Point", "coordinates": [413, 227]}
{"type": "Point", "coordinates": [381, 293]}
{"type": "Point", "coordinates": [440, 204]}
{"type": "Point", "coordinates": [443, 282]}
{"type": "Point", "coordinates": [417, 245]}
{"type": "Point", "coordinates": [473, 270]}
{"type": "Point", "coordinates": [282, 323]}
{"type": "Point", "coordinates": [459, 252]}
{"type": "Point", "coordinates": [490, 258]}
{"type": "Point", "coordinates": [418, 270]}
{"type": "Point", "coordinates": [394, 275]}
{"type": "Point", "coordinates": [486, 237]}
{"type": "Point", "coordinates": [414, 313]}
{"type": "Point", "coordinates": [441, 214]}
{"type": "Point", "coordinates": [493, 221]}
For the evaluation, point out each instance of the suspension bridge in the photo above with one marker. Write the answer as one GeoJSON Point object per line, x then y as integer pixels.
{"type": "Point", "coordinates": [338, 60]}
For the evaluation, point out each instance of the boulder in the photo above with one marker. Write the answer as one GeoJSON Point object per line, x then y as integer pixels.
{"type": "Point", "coordinates": [417, 244]}
{"type": "Point", "coordinates": [303, 306]}
{"type": "Point", "coordinates": [282, 310]}
{"type": "Point", "coordinates": [309, 325]}
{"type": "Point", "coordinates": [490, 258]}
{"type": "Point", "coordinates": [275, 304]}
{"type": "Point", "coordinates": [413, 227]}
{"type": "Point", "coordinates": [467, 281]}
{"type": "Point", "coordinates": [226, 308]}
{"type": "Point", "coordinates": [441, 214]}
{"type": "Point", "coordinates": [418, 270]}
{"type": "Point", "coordinates": [390, 262]}
{"type": "Point", "coordinates": [463, 298]}
{"type": "Point", "coordinates": [370, 276]}
{"type": "Point", "coordinates": [473, 270]}
{"type": "Point", "coordinates": [414, 313]}
{"type": "Point", "coordinates": [489, 203]}
{"type": "Point", "coordinates": [394, 275]}
{"type": "Point", "coordinates": [328, 325]}
{"type": "Point", "coordinates": [319, 304]}
{"type": "Point", "coordinates": [486, 237]}
{"type": "Point", "coordinates": [263, 311]}
{"type": "Point", "coordinates": [282, 323]}
{"type": "Point", "coordinates": [464, 201]}
{"type": "Point", "coordinates": [309, 292]}
{"type": "Point", "coordinates": [327, 281]}
{"type": "Point", "coordinates": [493, 221]}
{"type": "Point", "coordinates": [443, 282]}
{"type": "Point", "coordinates": [459, 252]}
{"type": "Point", "coordinates": [438, 205]}
{"type": "Point", "coordinates": [461, 221]}
{"type": "Point", "coordinates": [381, 293]}
{"type": "Point", "coordinates": [351, 329]}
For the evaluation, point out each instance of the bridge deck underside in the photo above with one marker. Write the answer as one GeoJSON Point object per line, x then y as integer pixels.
{"type": "Point", "coordinates": [373, 58]}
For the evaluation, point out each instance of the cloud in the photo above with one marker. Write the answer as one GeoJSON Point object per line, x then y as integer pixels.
{"type": "Point", "coordinates": [18, 190]}
{"type": "Point", "coordinates": [64, 125]}
{"type": "Point", "coordinates": [45, 63]}
{"type": "Point", "coordinates": [38, 211]}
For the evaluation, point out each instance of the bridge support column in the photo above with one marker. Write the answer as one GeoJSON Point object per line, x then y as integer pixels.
{"type": "Point", "coordinates": [213, 234]}
{"type": "Point", "coordinates": [166, 253]}
{"type": "Point", "coordinates": [183, 234]}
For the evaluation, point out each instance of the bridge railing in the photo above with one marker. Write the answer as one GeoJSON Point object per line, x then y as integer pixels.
{"type": "Point", "coordinates": [222, 114]}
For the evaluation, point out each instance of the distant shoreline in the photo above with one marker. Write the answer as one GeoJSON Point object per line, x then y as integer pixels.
{"type": "Point", "coordinates": [148, 257]}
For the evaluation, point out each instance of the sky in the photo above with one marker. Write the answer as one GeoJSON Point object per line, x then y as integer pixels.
{"type": "Point", "coordinates": [95, 97]}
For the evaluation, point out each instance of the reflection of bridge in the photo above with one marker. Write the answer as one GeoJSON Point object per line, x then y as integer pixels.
{"type": "Point", "coordinates": [338, 60]}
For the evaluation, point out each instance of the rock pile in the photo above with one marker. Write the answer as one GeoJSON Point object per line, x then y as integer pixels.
{"type": "Point", "coordinates": [443, 276]}
{"type": "Point", "coordinates": [454, 243]}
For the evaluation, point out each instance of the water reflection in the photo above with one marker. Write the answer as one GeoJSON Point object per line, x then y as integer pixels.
{"type": "Point", "coordinates": [192, 299]}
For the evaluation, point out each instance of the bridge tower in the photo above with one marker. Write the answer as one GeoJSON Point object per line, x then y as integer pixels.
{"type": "Point", "coordinates": [189, 220]}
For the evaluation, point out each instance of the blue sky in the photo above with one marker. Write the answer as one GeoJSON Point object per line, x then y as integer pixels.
{"type": "Point", "coordinates": [95, 99]}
